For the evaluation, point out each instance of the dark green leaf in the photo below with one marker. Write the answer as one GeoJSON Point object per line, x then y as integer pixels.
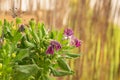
{"type": "Point", "coordinates": [52, 35]}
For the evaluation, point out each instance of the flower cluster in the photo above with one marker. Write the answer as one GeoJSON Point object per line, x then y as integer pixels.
{"type": "Point", "coordinates": [70, 35]}
{"type": "Point", "coordinates": [75, 42]}
{"type": "Point", "coordinates": [54, 45]}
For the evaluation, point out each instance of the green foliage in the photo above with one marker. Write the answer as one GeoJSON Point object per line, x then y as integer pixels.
{"type": "Point", "coordinates": [23, 55]}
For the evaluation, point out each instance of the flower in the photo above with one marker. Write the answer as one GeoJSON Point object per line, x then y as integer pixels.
{"type": "Point", "coordinates": [55, 45]}
{"type": "Point", "coordinates": [68, 32]}
{"type": "Point", "coordinates": [75, 42]}
{"type": "Point", "coordinates": [50, 50]}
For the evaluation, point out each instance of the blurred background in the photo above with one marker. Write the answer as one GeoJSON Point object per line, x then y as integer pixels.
{"type": "Point", "coordinates": [95, 22]}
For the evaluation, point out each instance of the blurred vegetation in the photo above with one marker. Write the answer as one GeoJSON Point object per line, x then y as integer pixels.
{"type": "Point", "coordinates": [95, 27]}
{"type": "Point", "coordinates": [101, 41]}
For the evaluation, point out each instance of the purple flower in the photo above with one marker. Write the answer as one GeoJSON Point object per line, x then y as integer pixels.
{"type": "Point", "coordinates": [75, 42]}
{"type": "Point", "coordinates": [50, 50]}
{"type": "Point", "coordinates": [55, 45]}
{"type": "Point", "coordinates": [68, 32]}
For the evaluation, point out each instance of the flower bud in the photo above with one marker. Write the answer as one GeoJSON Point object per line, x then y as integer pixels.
{"type": "Point", "coordinates": [21, 28]}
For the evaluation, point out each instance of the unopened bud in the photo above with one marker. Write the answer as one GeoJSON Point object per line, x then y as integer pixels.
{"type": "Point", "coordinates": [21, 28]}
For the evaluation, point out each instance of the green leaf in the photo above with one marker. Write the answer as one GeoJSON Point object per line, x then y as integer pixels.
{"type": "Point", "coordinates": [39, 31]}
{"type": "Point", "coordinates": [29, 44]}
{"type": "Point", "coordinates": [61, 73]}
{"type": "Point", "coordinates": [32, 24]}
{"type": "Point", "coordinates": [63, 65]}
{"type": "Point", "coordinates": [5, 22]}
{"type": "Point", "coordinates": [73, 55]}
{"type": "Point", "coordinates": [51, 35]}
{"type": "Point", "coordinates": [34, 34]}
{"type": "Point", "coordinates": [17, 37]}
{"type": "Point", "coordinates": [22, 54]}
{"type": "Point", "coordinates": [23, 72]}
{"type": "Point", "coordinates": [60, 36]}
{"type": "Point", "coordinates": [43, 30]}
